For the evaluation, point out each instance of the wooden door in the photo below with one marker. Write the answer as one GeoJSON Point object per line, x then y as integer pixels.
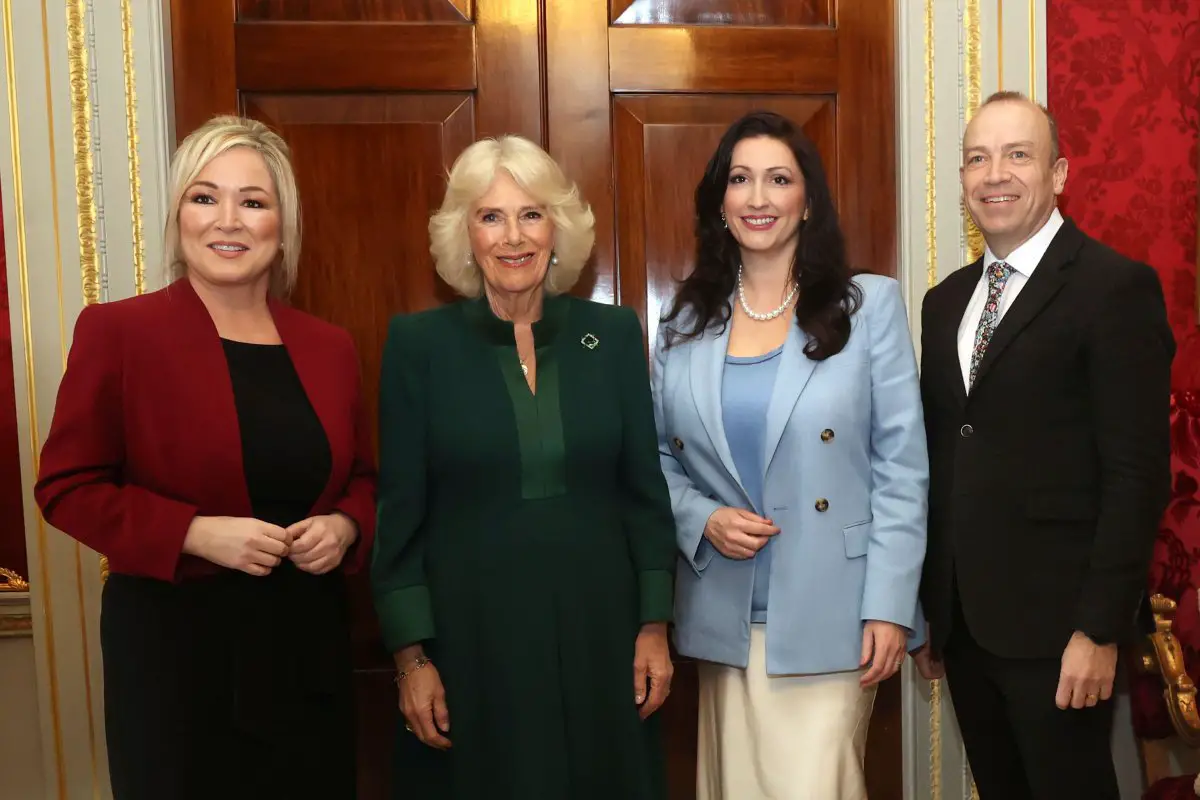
{"type": "Point", "coordinates": [377, 97]}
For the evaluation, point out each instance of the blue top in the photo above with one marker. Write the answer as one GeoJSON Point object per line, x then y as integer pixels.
{"type": "Point", "coordinates": [746, 388]}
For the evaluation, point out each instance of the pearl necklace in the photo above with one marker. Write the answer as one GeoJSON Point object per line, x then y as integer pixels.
{"type": "Point", "coordinates": [787, 301]}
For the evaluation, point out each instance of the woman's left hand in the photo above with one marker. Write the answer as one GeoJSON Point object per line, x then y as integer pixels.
{"type": "Point", "coordinates": [883, 648]}
{"type": "Point", "coordinates": [651, 662]}
{"type": "Point", "coordinates": [319, 543]}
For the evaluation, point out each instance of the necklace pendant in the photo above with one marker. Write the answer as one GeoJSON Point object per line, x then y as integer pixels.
{"type": "Point", "coordinates": [524, 370]}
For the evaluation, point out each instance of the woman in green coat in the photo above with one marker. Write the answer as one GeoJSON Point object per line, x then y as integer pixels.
{"type": "Point", "coordinates": [524, 561]}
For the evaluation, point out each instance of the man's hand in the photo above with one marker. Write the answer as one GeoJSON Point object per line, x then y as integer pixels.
{"type": "Point", "coordinates": [1088, 670]}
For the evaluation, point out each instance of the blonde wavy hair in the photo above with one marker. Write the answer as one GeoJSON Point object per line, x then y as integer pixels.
{"type": "Point", "coordinates": [535, 172]}
{"type": "Point", "coordinates": [215, 137]}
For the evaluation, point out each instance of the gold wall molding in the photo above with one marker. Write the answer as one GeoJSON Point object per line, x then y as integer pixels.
{"type": "Point", "coordinates": [81, 127]}
{"type": "Point", "coordinates": [16, 625]}
{"type": "Point", "coordinates": [135, 166]}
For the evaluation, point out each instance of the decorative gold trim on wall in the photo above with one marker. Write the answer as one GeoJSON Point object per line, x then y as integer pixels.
{"type": "Point", "coordinates": [16, 625]}
{"type": "Point", "coordinates": [81, 129]}
{"type": "Point", "coordinates": [135, 168]}
{"type": "Point", "coordinates": [12, 582]}
{"type": "Point", "coordinates": [973, 84]}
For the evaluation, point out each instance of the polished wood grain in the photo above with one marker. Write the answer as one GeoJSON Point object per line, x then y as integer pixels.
{"type": "Point", "coordinates": [578, 102]}
{"type": "Point", "coordinates": [655, 58]}
{"type": "Point", "coordinates": [202, 59]}
{"type": "Point", "coordinates": [866, 132]}
{"type": "Point", "coordinates": [511, 91]}
{"type": "Point", "coordinates": [348, 56]}
{"type": "Point", "coordinates": [377, 97]}
{"type": "Point", "coordinates": [720, 12]}
{"type": "Point", "coordinates": [355, 10]}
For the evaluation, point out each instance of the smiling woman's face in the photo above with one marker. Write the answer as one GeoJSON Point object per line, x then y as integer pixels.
{"type": "Point", "coordinates": [512, 237]}
{"type": "Point", "coordinates": [229, 222]}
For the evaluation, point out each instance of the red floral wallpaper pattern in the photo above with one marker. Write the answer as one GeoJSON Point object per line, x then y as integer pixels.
{"type": "Point", "coordinates": [1124, 85]}
{"type": "Point", "coordinates": [12, 527]}
{"type": "Point", "coordinates": [1124, 81]}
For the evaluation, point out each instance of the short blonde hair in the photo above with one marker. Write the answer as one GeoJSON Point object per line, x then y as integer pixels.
{"type": "Point", "coordinates": [215, 137]}
{"type": "Point", "coordinates": [535, 172]}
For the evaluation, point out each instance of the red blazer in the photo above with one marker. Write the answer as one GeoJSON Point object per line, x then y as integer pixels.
{"type": "Point", "coordinates": [145, 434]}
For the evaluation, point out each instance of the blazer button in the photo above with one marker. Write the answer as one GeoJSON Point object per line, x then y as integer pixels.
{"type": "Point", "coordinates": [827, 435]}
{"type": "Point", "coordinates": [966, 430]}
{"type": "Point", "coordinates": [678, 443]}
{"type": "Point", "coordinates": [821, 505]}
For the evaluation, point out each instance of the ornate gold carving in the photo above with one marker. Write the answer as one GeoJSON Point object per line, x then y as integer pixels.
{"type": "Point", "coordinates": [16, 625]}
{"type": "Point", "coordinates": [135, 169]}
{"type": "Point", "coordinates": [12, 582]}
{"type": "Point", "coordinates": [973, 84]}
{"type": "Point", "coordinates": [1162, 654]}
{"type": "Point", "coordinates": [81, 129]}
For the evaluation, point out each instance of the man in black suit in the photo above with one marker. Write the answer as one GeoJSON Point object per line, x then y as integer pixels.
{"type": "Point", "coordinates": [1045, 379]}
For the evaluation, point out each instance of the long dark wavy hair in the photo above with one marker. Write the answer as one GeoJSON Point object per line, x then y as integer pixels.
{"type": "Point", "coordinates": [828, 296]}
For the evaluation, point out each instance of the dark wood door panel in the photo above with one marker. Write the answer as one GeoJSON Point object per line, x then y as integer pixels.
{"type": "Point", "coordinates": [653, 58]}
{"type": "Point", "coordinates": [661, 146]}
{"type": "Point", "coordinates": [720, 12]}
{"type": "Point", "coordinates": [355, 10]}
{"type": "Point", "coordinates": [352, 57]}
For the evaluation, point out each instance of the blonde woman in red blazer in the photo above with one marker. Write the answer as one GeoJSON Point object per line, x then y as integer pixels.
{"type": "Point", "coordinates": [211, 441]}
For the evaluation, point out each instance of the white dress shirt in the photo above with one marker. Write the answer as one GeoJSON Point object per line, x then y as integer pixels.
{"type": "Point", "coordinates": [1024, 261]}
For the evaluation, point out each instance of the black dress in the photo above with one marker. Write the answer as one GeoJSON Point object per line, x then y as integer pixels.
{"type": "Point", "coordinates": [238, 686]}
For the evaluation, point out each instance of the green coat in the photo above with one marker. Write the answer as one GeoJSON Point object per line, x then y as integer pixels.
{"type": "Point", "coordinates": [524, 539]}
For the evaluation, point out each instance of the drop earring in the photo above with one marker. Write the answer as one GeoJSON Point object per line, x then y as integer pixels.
{"type": "Point", "coordinates": [554, 259]}
{"type": "Point", "coordinates": [724, 222]}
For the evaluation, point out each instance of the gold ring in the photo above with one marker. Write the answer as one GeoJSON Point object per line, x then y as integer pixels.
{"type": "Point", "coordinates": [1092, 698]}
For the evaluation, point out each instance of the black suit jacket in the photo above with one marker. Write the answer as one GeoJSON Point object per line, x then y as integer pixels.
{"type": "Point", "coordinates": [1047, 481]}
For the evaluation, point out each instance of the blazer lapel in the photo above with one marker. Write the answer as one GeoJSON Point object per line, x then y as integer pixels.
{"type": "Point", "coordinates": [707, 370]}
{"type": "Point", "coordinates": [960, 296]}
{"type": "Point", "coordinates": [1043, 285]}
{"type": "Point", "coordinates": [207, 376]}
{"type": "Point", "coordinates": [795, 368]}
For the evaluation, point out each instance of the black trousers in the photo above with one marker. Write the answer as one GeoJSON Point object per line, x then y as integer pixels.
{"type": "Point", "coordinates": [1020, 745]}
{"type": "Point", "coordinates": [201, 702]}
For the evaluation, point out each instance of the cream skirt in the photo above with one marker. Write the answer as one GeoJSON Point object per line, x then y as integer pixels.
{"type": "Point", "coordinates": [792, 737]}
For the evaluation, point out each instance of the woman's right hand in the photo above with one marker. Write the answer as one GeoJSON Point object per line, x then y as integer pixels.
{"type": "Point", "coordinates": [423, 703]}
{"type": "Point", "coordinates": [738, 533]}
{"type": "Point", "coordinates": [242, 543]}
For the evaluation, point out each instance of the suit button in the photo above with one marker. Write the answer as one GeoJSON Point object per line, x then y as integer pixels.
{"type": "Point", "coordinates": [678, 443]}
{"type": "Point", "coordinates": [827, 435]}
{"type": "Point", "coordinates": [966, 430]}
{"type": "Point", "coordinates": [821, 505]}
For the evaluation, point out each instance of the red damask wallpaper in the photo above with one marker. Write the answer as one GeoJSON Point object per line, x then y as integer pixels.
{"type": "Point", "coordinates": [12, 530]}
{"type": "Point", "coordinates": [1124, 85]}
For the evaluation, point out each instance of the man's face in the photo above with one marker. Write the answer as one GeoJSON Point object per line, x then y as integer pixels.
{"type": "Point", "coordinates": [1010, 185]}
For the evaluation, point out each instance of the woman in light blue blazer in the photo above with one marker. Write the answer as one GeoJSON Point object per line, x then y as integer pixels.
{"type": "Point", "coordinates": [792, 437]}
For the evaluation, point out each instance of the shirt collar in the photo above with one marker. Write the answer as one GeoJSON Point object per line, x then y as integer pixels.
{"type": "Point", "coordinates": [1026, 257]}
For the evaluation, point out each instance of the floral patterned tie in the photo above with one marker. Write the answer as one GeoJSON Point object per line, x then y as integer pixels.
{"type": "Point", "coordinates": [997, 275]}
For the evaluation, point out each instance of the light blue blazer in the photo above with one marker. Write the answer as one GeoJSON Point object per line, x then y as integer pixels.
{"type": "Point", "coordinates": [845, 479]}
